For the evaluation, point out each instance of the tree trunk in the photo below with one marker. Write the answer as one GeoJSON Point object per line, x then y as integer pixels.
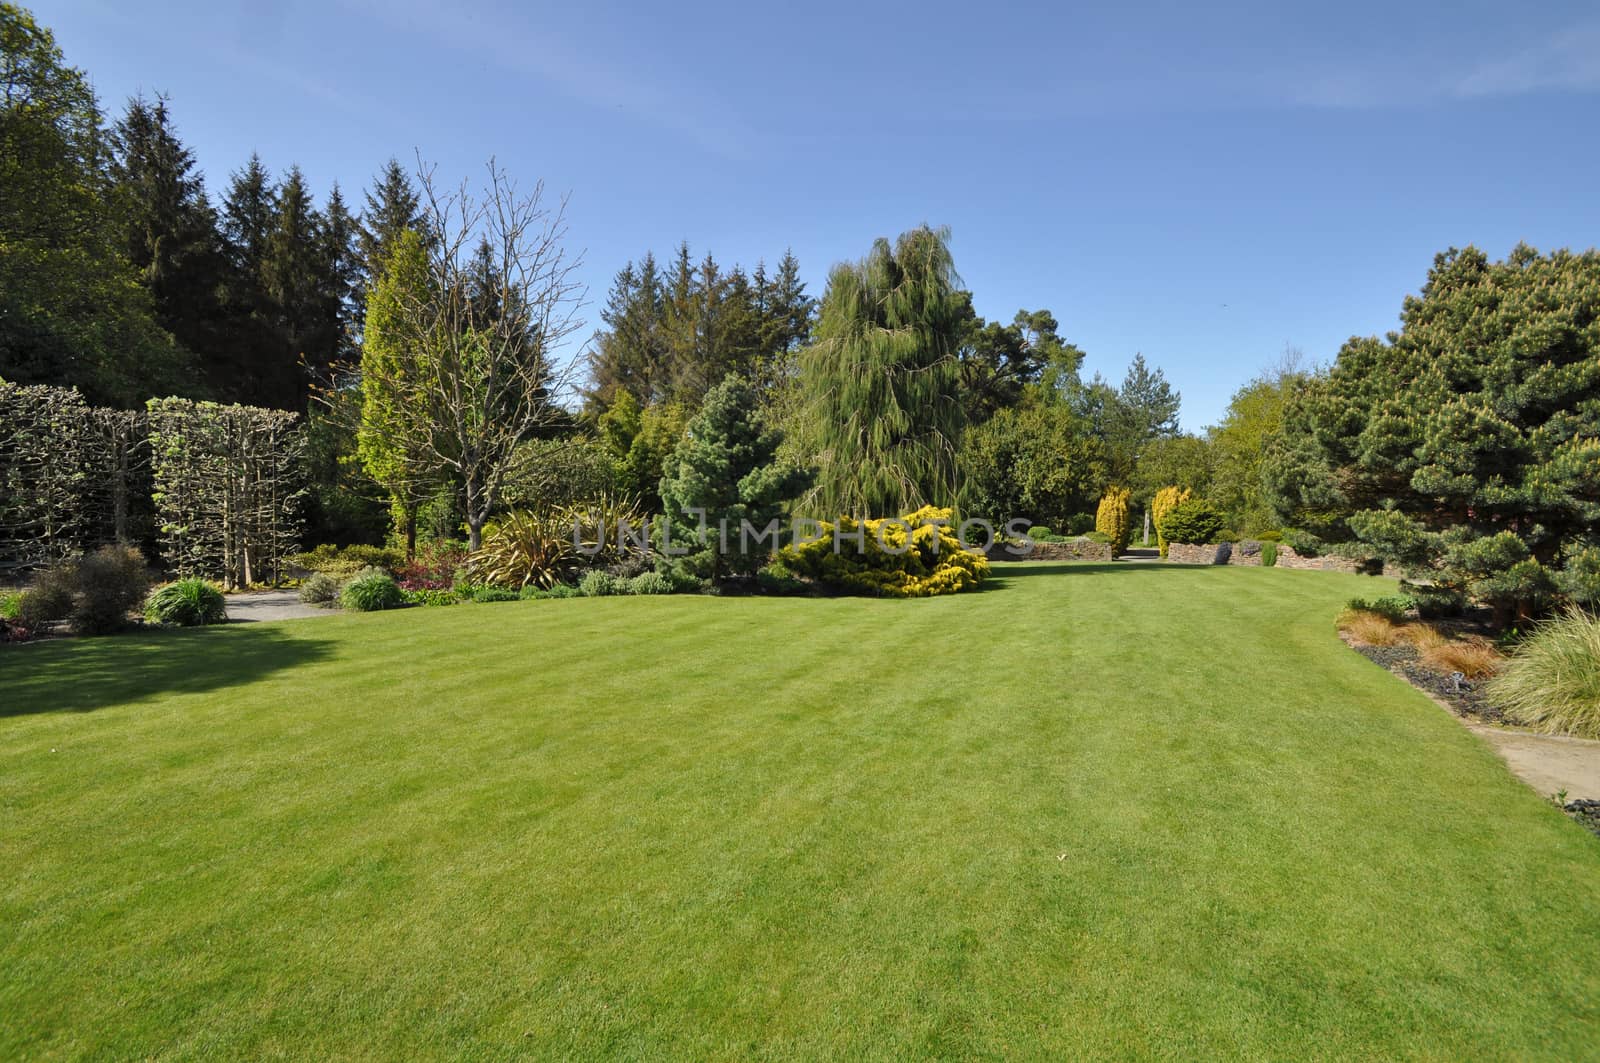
{"type": "Point", "coordinates": [411, 531]}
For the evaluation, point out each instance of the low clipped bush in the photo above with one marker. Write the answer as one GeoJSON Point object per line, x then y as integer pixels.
{"type": "Point", "coordinates": [560, 590]}
{"type": "Point", "coordinates": [888, 560]}
{"type": "Point", "coordinates": [1040, 533]}
{"type": "Point", "coordinates": [485, 593]}
{"type": "Point", "coordinates": [186, 603]}
{"type": "Point", "coordinates": [1271, 535]}
{"type": "Point", "coordinates": [650, 583]}
{"type": "Point", "coordinates": [1194, 522]}
{"type": "Point", "coordinates": [343, 562]}
{"type": "Point", "coordinates": [428, 596]}
{"type": "Point", "coordinates": [599, 583]}
{"type": "Point", "coordinates": [779, 578]}
{"type": "Point", "coordinates": [321, 589]}
{"type": "Point", "coordinates": [1552, 682]}
{"type": "Point", "coordinates": [370, 591]}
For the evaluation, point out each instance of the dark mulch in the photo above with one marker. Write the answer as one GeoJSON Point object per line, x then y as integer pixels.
{"type": "Point", "coordinates": [1463, 698]}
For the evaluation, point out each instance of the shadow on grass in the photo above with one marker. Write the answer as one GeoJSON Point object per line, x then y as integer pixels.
{"type": "Point", "coordinates": [81, 675]}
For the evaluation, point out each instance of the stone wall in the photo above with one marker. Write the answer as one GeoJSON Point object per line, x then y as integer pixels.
{"type": "Point", "coordinates": [1072, 550]}
{"type": "Point", "coordinates": [1249, 553]}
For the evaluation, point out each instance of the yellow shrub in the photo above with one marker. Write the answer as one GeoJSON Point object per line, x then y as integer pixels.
{"type": "Point", "coordinates": [1163, 503]}
{"type": "Point", "coordinates": [1112, 519]}
{"type": "Point", "coordinates": [883, 562]}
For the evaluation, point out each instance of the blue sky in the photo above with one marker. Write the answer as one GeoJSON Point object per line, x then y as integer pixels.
{"type": "Point", "coordinates": [1204, 183]}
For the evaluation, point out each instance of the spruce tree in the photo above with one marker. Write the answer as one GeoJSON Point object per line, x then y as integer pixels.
{"type": "Point", "coordinates": [293, 281]}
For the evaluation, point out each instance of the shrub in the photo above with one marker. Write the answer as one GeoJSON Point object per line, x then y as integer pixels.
{"type": "Point", "coordinates": [1097, 537]}
{"type": "Point", "coordinates": [1552, 682]}
{"type": "Point", "coordinates": [186, 603]}
{"type": "Point", "coordinates": [320, 589]}
{"type": "Point", "coordinates": [1271, 535]}
{"type": "Point", "coordinates": [779, 578]}
{"type": "Point", "coordinates": [1079, 524]}
{"type": "Point", "coordinates": [1040, 533]}
{"type": "Point", "coordinates": [536, 548]}
{"type": "Point", "coordinates": [95, 592]}
{"type": "Point", "coordinates": [371, 590]}
{"type": "Point", "coordinates": [1392, 608]}
{"type": "Point", "coordinates": [1369, 629]}
{"type": "Point", "coordinates": [650, 583]}
{"type": "Point", "coordinates": [342, 562]}
{"type": "Point", "coordinates": [10, 605]}
{"type": "Point", "coordinates": [601, 584]}
{"type": "Point", "coordinates": [433, 567]}
{"type": "Point", "coordinates": [1434, 602]}
{"type": "Point", "coordinates": [1113, 520]}
{"type": "Point", "coordinates": [927, 561]}
{"type": "Point", "coordinates": [1161, 505]}
{"type": "Point", "coordinates": [1195, 522]}
{"type": "Point", "coordinates": [1303, 542]}
{"type": "Point", "coordinates": [1269, 553]}
{"type": "Point", "coordinates": [484, 593]}
{"type": "Point", "coordinates": [561, 590]}
{"type": "Point", "coordinates": [1227, 535]}
{"type": "Point", "coordinates": [428, 596]}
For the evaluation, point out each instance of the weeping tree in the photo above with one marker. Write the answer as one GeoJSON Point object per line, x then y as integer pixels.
{"type": "Point", "coordinates": [881, 403]}
{"type": "Point", "coordinates": [469, 375]}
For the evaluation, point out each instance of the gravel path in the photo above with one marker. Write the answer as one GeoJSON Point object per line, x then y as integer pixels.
{"type": "Point", "coordinates": [256, 606]}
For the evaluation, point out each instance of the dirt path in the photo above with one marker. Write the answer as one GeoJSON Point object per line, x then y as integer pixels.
{"type": "Point", "coordinates": [257, 606]}
{"type": "Point", "coordinates": [1548, 763]}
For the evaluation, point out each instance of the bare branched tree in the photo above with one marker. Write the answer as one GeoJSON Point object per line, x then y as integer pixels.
{"type": "Point", "coordinates": [476, 373]}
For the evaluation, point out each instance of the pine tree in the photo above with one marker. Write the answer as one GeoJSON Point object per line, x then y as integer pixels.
{"type": "Point", "coordinates": [882, 383]}
{"type": "Point", "coordinates": [392, 207]}
{"type": "Point", "coordinates": [293, 281]}
{"type": "Point", "coordinates": [171, 230]}
{"type": "Point", "coordinates": [340, 273]}
{"type": "Point", "coordinates": [248, 369]}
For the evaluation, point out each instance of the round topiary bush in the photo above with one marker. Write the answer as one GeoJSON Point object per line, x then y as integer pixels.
{"type": "Point", "coordinates": [371, 591]}
{"type": "Point", "coordinates": [186, 603]}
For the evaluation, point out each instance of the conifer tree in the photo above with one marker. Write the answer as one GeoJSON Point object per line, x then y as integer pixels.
{"type": "Point", "coordinates": [882, 382]}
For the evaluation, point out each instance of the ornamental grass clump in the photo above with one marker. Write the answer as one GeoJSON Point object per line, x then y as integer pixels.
{"type": "Point", "coordinates": [372, 589]}
{"type": "Point", "coordinates": [186, 603]}
{"type": "Point", "coordinates": [1552, 682]}
{"type": "Point", "coordinates": [915, 556]}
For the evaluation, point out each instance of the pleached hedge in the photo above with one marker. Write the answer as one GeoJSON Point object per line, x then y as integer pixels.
{"type": "Point", "coordinates": [72, 476]}
{"type": "Point", "coordinates": [217, 488]}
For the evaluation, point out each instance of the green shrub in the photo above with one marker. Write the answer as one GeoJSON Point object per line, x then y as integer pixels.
{"type": "Point", "coordinates": [1303, 542]}
{"type": "Point", "coordinates": [485, 593]}
{"type": "Point", "coordinates": [1434, 602]}
{"type": "Point", "coordinates": [1079, 524]}
{"type": "Point", "coordinates": [321, 589]}
{"type": "Point", "coordinates": [601, 584]}
{"type": "Point", "coordinates": [10, 605]}
{"type": "Point", "coordinates": [430, 596]}
{"type": "Point", "coordinates": [1165, 501]}
{"type": "Point", "coordinates": [779, 578]}
{"type": "Point", "coordinates": [1039, 533]}
{"type": "Point", "coordinates": [371, 590]}
{"type": "Point", "coordinates": [1269, 553]}
{"type": "Point", "coordinates": [1227, 535]}
{"type": "Point", "coordinates": [536, 548]}
{"type": "Point", "coordinates": [1392, 608]}
{"type": "Point", "coordinates": [650, 583]}
{"type": "Point", "coordinates": [186, 603]}
{"type": "Point", "coordinates": [1271, 535]}
{"type": "Point", "coordinates": [1097, 537]}
{"type": "Point", "coordinates": [95, 592]}
{"type": "Point", "coordinates": [561, 590]}
{"type": "Point", "coordinates": [1552, 682]}
{"type": "Point", "coordinates": [1195, 523]}
{"type": "Point", "coordinates": [343, 562]}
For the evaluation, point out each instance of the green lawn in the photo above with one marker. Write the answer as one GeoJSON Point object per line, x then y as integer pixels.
{"type": "Point", "coordinates": [1092, 810]}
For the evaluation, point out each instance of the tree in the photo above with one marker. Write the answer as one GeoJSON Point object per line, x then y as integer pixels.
{"type": "Point", "coordinates": [1468, 443]}
{"type": "Point", "coordinates": [392, 208]}
{"type": "Point", "coordinates": [72, 308]}
{"type": "Point", "coordinates": [252, 369]}
{"type": "Point", "coordinates": [170, 229]}
{"type": "Point", "coordinates": [1035, 461]}
{"type": "Point", "coordinates": [1241, 440]}
{"type": "Point", "coordinates": [394, 357]}
{"type": "Point", "coordinates": [294, 280]}
{"type": "Point", "coordinates": [881, 402]}
{"type": "Point", "coordinates": [475, 376]}
{"type": "Point", "coordinates": [723, 489]}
